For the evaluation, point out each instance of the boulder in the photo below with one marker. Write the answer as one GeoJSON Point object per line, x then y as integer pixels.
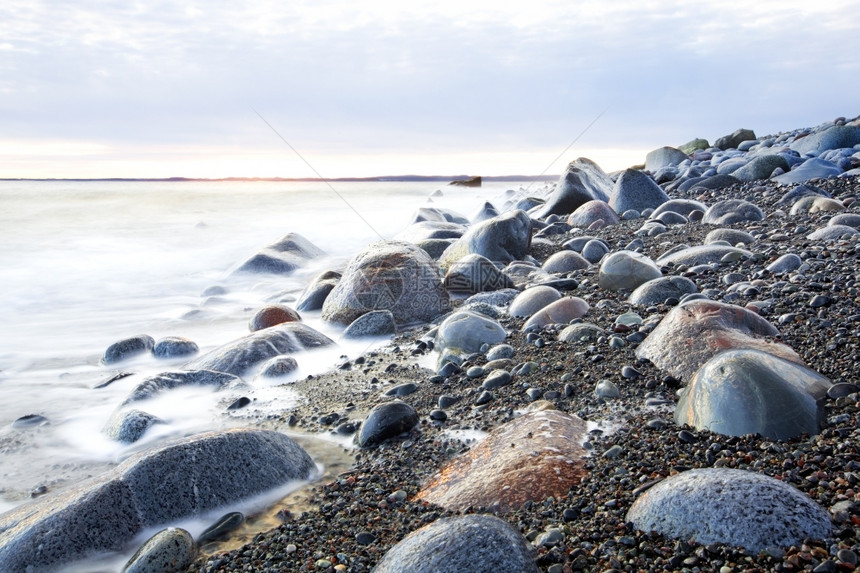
{"type": "Point", "coordinates": [174, 347]}
{"type": "Point", "coordinates": [473, 274]}
{"type": "Point", "coordinates": [463, 544]}
{"type": "Point", "coordinates": [701, 255]}
{"type": "Point", "coordinates": [733, 140]}
{"type": "Point", "coordinates": [814, 168]}
{"type": "Point", "coordinates": [732, 507]}
{"type": "Point", "coordinates": [284, 256]}
{"type": "Point", "coordinates": [154, 385]}
{"type": "Point", "coordinates": [785, 264]}
{"type": "Point", "coordinates": [530, 458]}
{"type": "Point", "coordinates": [487, 211]}
{"type": "Point", "coordinates": [503, 239]}
{"type": "Point", "coordinates": [565, 262]}
{"type": "Point", "coordinates": [833, 137]}
{"type": "Point", "coordinates": [832, 233]}
{"type": "Point", "coordinates": [664, 157]}
{"type": "Point", "coordinates": [626, 270]}
{"type": "Point", "coordinates": [812, 204]}
{"type": "Point", "coordinates": [389, 275]}
{"type": "Point", "coordinates": [314, 295]}
{"type": "Point", "coordinates": [589, 213]}
{"type": "Point", "coordinates": [172, 481]}
{"type": "Point", "coordinates": [659, 290]}
{"type": "Point", "coordinates": [582, 181]}
{"type": "Point", "coordinates": [761, 167]}
{"type": "Point", "coordinates": [387, 421]}
{"type": "Point", "coordinates": [374, 323]}
{"type": "Point", "coordinates": [636, 190]}
{"type": "Point", "coordinates": [695, 331]}
{"type": "Point", "coordinates": [561, 311]}
{"type": "Point", "coordinates": [242, 355]}
{"type": "Point", "coordinates": [748, 391]}
{"type": "Point", "coordinates": [272, 315]}
{"type": "Point", "coordinates": [532, 300]}
{"type": "Point", "coordinates": [127, 348]}
{"type": "Point", "coordinates": [694, 145]}
{"type": "Point", "coordinates": [468, 331]}
{"type": "Point", "coordinates": [731, 211]}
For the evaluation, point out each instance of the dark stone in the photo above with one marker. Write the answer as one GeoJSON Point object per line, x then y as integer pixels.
{"type": "Point", "coordinates": [731, 211]}
{"type": "Point", "coordinates": [473, 274]}
{"type": "Point", "coordinates": [170, 550]}
{"type": "Point", "coordinates": [374, 323]}
{"type": "Point", "coordinates": [225, 524]}
{"type": "Point", "coordinates": [30, 421]}
{"type": "Point", "coordinates": [734, 139]}
{"type": "Point", "coordinates": [129, 425]}
{"type": "Point", "coordinates": [582, 181]}
{"type": "Point", "coordinates": [503, 239]}
{"type": "Point", "coordinates": [387, 421]}
{"type": "Point", "coordinates": [284, 256]}
{"type": "Point", "coordinates": [239, 403]}
{"type": "Point", "coordinates": [314, 295]}
{"type": "Point", "coordinates": [153, 385]}
{"type": "Point", "coordinates": [174, 347]}
{"type": "Point", "coordinates": [636, 190]}
{"type": "Point", "coordinates": [128, 347]}
{"type": "Point", "coordinates": [468, 182]}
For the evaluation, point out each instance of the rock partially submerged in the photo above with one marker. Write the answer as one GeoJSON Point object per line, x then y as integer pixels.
{"type": "Point", "coordinates": [292, 251]}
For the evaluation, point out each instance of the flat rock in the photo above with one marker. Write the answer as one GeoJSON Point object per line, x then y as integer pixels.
{"type": "Point", "coordinates": [731, 236]}
{"type": "Point", "coordinates": [627, 270]}
{"type": "Point", "coordinates": [438, 214]}
{"type": "Point", "coordinates": [389, 275]}
{"type": "Point", "coordinates": [172, 481]}
{"type": "Point", "coordinates": [832, 233]}
{"type": "Point", "coordinates": [463, 544]}
{"type": "Point", "coordinates": [534, 456]}
{"type": "Point", "coordinates": [701, 255]}
{"type": "Point", "coordinates": [634, 189]}
{"type": "Point", "coordinates": [582, 181]}
{"type": "Point", "coordinates": [503, 239]}
{"type": "Point", "coordinates": [561, 311]}
{"type": "Point", "coordinates": [532, 300]}
{"type": "Point", "coordinates": [813, 168]}
{"type": "Point", "coordinates": [592, 211]}
{"type": "Point", "coordinates": [427, 230]}
{"type": "Point", "coordinates": [695, 331]}
{"type": "Point", "coordinates": [240, 356]}
{"type": "Point", "coordinates": [748, 391]}
{"type": "Point", "coordinates": [658, 290]}
{"type": "Point", "coordinates": [734, 507]}
{"type": "Point", "coordinates": [153, 385]}
{"type": "Point", "coordinates": [730, 211]}
{"type": "Point", "coordinates": [387, 421]}
{"type": "Point", "coordinates": [473, 274]}
{"type": "Point", "coordinates": [468, 331]}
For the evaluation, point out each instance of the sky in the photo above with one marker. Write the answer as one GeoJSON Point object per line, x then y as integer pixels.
{"type": "Point", "coordinates": [92, 89]}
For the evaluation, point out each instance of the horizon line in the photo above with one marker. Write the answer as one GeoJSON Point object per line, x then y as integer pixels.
{"type": "Point", "coordinates": [378, 178]}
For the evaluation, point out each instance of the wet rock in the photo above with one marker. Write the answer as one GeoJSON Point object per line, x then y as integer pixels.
{"type": "Point", "coordinates": [129, 425]}
{"type": "Point", "coordinates": [314, 295]}
{"type": "Point", "coordinates": [279, 366]}
{"type": "Point", "coordinates": [240, 356]}
{"type": "Point", "coordinates": [127, 348]}
{"type": "Point", "coordinates": [747, 391]}
{"type": "Point", "coordinates": [473, 274]}
{"type": "Point", "coordinates": [154, 385]}
{"type": "Point", "coordinates": [169, 482]}
{"type": "Point", "coordinates": [430, 230]}
{"type": "Point", "coordinates": [528, 459]}
{"type": "Point", "coordinates": [226, 524]}
{"type": "Point", "coordinates": [468, 331]}
{"type": "Point", "coordinates": [389, 275]}
{"type": "Point", "coordinates": [374, 323]}
{"type": "Point", "coordinates": [636, 190]}
{"type": "Point", "coordinates": [438, 214]}
{"type": "Point", "coordinates": [733, 140]}
{"type": "Point", "coordinates": [658, 290]}
{"type": "Point", "coordinates": [593, 251]}
{"type": "Point", "coordinates": [503, 239]}
{"type": "Point", "coordinates": [284, 256]}
{"type": "Point", "coordinates": [272, 315]}
{"type": "Point", "coordinates": [702, 255]}
{"type": "Point", "coordinates": [730, 211]}
{"type": "Point", "coordinates": [733, 507]}
{"type": "Point", "coordinates": [696, 330]}
{"type": "Point", "coordinates": [30, 421]}
{"type": "Point", "coordinates": [588, 213]}
{"type": "Point", "coordinates": [561, 311]}
{"type": "Point", "coordinates": [174, 347]}
{"type": "Point", "coordinates": [487, 211]}
{"type": "Point", "coordinates": [582, 181]}
{"type": "Point", "coordinates": [387, 421]}
{"type": "Point", "coordinates": [532, 300]}
{"type": "Point", "coordinates": [463, 544]}
{"type": "Point", "coordinates": [565, 262]}
{"type": "Point", "coordinates": [627, 270]}
{"type": "Point", "coordinates": [170, 550]}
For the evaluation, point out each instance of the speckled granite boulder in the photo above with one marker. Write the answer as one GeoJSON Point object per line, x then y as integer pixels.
{"type": "Point", "coordinates": [170, 550]}
{"type": "Point", "coordinates": [466, 544]}
{"type": "Point", "coordinates": [734, 507]}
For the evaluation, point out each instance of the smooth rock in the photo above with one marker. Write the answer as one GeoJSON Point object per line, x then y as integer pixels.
{"type": "Point", "coordinates": [314, 295]}
{"type": "Point", "coordinates": [561, 311]}
{"type": "Point", "coordinates": [709, 182]}
{"type": "Point", "coordinates": [463, 544]}
{"type": "Point", "coordinates": [592, 211]}
{"type": "Point", "coordinates": [634, 189]}
{"type": "Point", "coordinates": [174, 347]}
{"type": "Point", "coordinates": [761, 167]}
{"type": "Point", "coordinates": [626, 270]}
{"type": "Point", "coordinates": [581, 331]}
{"type": "Point", "coordinates": [240, 356]}
{"type": "Point", "coordinates": [487, 211]}
{"type": "Point", "coordinates": [734, 139]}
{"type": "Point", "coordinates": [813, 204]}
{"type": "Point", "coordinates": [832, 233]}
{"type": "Point", "coordinates": [503, 239]}
{"type": "Point", "coordinates": [438, 214]}
{"type": "Point", "coordinates": [154, 385]}
{"type": "Point", "coordinates": [530, 458]}
{"type": "Point", "coordinates": [594, 250]}
{"type": "Point", "coordinates": [680, 206]}
{"type": "Point", "coordinates": [731, 236]}
{"type": "Point", "coordinates": [565, 262]}
{"type": "Point", "coordinates": [386, 421]}
{"type": "Point", "coordinates": [847, 219]}
{"type": "Point", "coordinates": [658, 290]}
{"type": "Point", "coordinates": [127, 348]}
{"type": "Point", "coordinates": [729, 506]}
{"type": "Point", "coordinates": [170, 550]}
{"type": "Point", "coordinates": [730, 211]}
{"type": "Point", "coordinates": [430, 230]}
{"type": "Point", "coordinates": [284, 256]}
{"type": "Point", "coordinates": [696, 330]}
{"type": "Point", "coordinates": [798, 192]}
{"type": "Point", "coordinates": [129, 425]}
{"type": "Point", "coordinates": [785, 264]}
{"type": "Point", "coordinates": [814, 168]}
{"type": "Point", "coordinates": [473, 274]}
{"type": "Point", "coordinates": [279, 366]}
{"type": "Point", "coordinates": [663, 157]}
{"type": "Point", "coordinates": [582, 181]}
{"type": "Point", "coordinates": [388, 275]}
{"type": "Point", "coordinates": [694, 145]}
{"type": "Point", "coordinates": [374, 323]}
{"type": "Point", "coordinates": [833, 137]}
{"type": "Point", "coordinates": [497, 379]}
{"type": "Point", "coordinates": [532, 300]}
{"type": "Point", "coordinates": [468, 331]}
{"type": "Point", "coordinates": [222, 527]}
{"type": "Point", "coordinates": [272, 315]}
{"type": "Point", "coordinates": [701, 255]}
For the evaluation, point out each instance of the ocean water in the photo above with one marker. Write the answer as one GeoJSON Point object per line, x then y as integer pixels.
{"type": "Point", "coordinates": [84, 264]}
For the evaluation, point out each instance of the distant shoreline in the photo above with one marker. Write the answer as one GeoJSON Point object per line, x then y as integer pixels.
{"type": "Point", "coordinates": [392, 178]}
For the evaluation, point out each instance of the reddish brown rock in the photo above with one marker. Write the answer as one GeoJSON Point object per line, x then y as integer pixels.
{"type": "Point", "coordinates": [694, 332]}
{"type": "Point", "coordinates": [272, 315]}
{"type": "Point", "coordinates": [530, 458]}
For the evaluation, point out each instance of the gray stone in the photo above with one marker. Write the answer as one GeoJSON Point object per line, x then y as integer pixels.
{"type": "Point", "coordinates": [561, 311]}
{"type": "Point", "coordinates": [487, 211]}
{"type": "Point", "coordinates": [374, 323]}
{"type": "Point", "coordinates": [810, 204]}
{"type": "Point", "coordinates": [627, 270]}
{"type": "Point", "coordinates": [161, 485]}
{"type": "Point", "coordinates": [848, 219]}
{"type": "Point", "coordinates": [129, 425]}
{"type": "Point", "coordinates": [664, 157]}
{"type": "Point", "coordinates": [497, 379]}
{"type": "Point", "coordinates": [636, 190]}
{"type": "Point", "coordinates": [468, 331]}
{"type": "Point", "coordinates": [594, 250]}
{"type": "Point", "coordinates": [154, 385]}
{"type": "Point", "coordinates": [427, 230]}
{"type": "Point", "coordinates": [463, 544]}
{"type": "Point", "coordinates": [607, 390]}
{"type": "Point", "coordinates": [701, 255]}
{"type": "Point", "coordinates": [240, 356]}
{"type": "Point", "coordinates": [502, 240]}
{"type": "Point", "coordinates": [814, 168]}
{"type": "Point", "coordinates": [761, 167]}
{"type": "Point", "coordinates": [532, 300]}
{"type": "Point", "coordinates": [435, 247]}
{"type": "Point", "coordinates": [731, 236]}
{"type": "Point", "coordinates": [475, 273]}
{"type": "Point", "coordinates": [170, 550]}
{"type": "Point", "coordinates": [127, 348]}
{"type": "Point", "coordinates": [833, 137]}
{"type": "Point", "coordinates": [798, 192]}
{"type": "Point", "coordinates": [581, 331]}
{"type": "Point", "coordinates": [314, 295]}
{"type": "Point", "coordinates": [389, 275]}
{"type": "Point", "coordinates": [734, 507]}
{"type": "Point", "coordinates": [438, 214]}
{"type": "Point", "coordinates": [279, 366]}
{"type": "Point", "coordinates": [709, 182]}
{"type": "Point", "coordinates": [284, 256]}
{"type": "Point", "coordinates": [582, 181]}
{"type": "Point", "coordinates": [588, 213]}
{"type": "Point", "coordinates": [656, 291]}
{"type": "Point", "coordinates": [748, 391]}
{"type": "Point", "coordinates": [832, 233]}
{"type": "Point", "coordinates": [785, 264]}
{"type": "Point", "coordinates": [565, 262]}
{"type": "Point", "coordinates": [387, 421]}
{"type": "Point", "coordinates": [731, 211]}
{"type": "Point", "coordinates": [500, 352]}
{"type": "Point", "coordinates": [174, 347]}
{"type": "Point", "coordinates": [680, 206]}
{"type": "Point", "coordinates": [733, 140]}
{"type": "Point", "coordinates": [499, 298]}
{"type": "Point", "coordinates": [224, 525]}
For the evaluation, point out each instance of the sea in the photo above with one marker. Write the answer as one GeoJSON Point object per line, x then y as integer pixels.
{"type": "Point", "coordinates": [84, 264]}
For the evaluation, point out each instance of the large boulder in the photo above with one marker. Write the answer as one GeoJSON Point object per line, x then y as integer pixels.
{"type": "Point", "coordinates": [747, 391]}
{"type": "Point", "coordinates": [283, 256]}
{"type": "Point", "coordinates": [626, 270]}
{"type": "Point", "coordinates": [582, 181]}
{"type": "Point", "coordinates": [468, 331]}
{"type": "Point", "coordinates": [475, 273]}
{"type": "Point", "coordinates": [814, 168]}
{"type": "Point", "coordinates": [734, 139]}
{"type": "Point", "coordinates": [733, 507]}
{"type": "Point", "coordinates": [240, 356]}
{"type": "Point", "coordinates": [153, 385]}
{"type": "Point", "coordinates": [731, 211]}
{"type": "Point", "coordinates": [664, 157]}
{"type": "Point", "coordinates": [170, 482]}
{"type": "Point", "coordinates": [761, 167]}
{"type": "Point", "coordinates": [591, 212]}
{"type": "Point", "coordinates": [635, 190]}
{"type": "Point", "coordinates": [389, 275]}
{"type": "Point", "coordinates": [833, 137]}
{"type": "Point", "coordinates": [695, 331]}
{"type": "Point", "coordinates": [463, 544]}
{"type": "Point", "coordinates": [503, 239]}
{"type": "Point", "coordinates": [530, 458]}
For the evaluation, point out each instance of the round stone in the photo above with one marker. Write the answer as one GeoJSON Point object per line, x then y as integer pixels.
{"type": "Point", "coordinates": [387, 421]}
{"type": "Point", "coordinates": [532, 300]}
{"type": "Point", "coordinates": [627, 270]}
{"type": "Point", "coordinates": [272, 315]}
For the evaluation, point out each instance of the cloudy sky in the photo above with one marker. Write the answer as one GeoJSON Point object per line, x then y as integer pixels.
{"type": "Point", "coordinates": [156, 89]}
